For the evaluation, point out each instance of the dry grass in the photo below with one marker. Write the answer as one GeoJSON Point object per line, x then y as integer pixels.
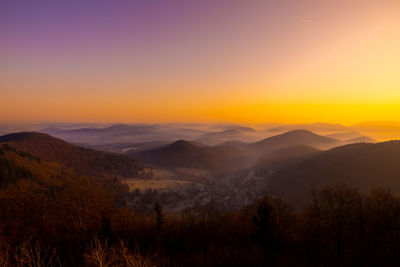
{"type": "Point", "coordinates": [29, 254]}
{"type": "Point", "coordinates": [101, 255]}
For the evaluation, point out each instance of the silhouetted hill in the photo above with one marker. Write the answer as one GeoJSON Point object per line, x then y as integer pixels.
{"type": "Point", "coordinates": [363, 165]}
{"type": "Point", "coordinates": [83, 161]}
{"type": "Point", "coordinates": [293, 138]}
{"type": "Point", "coordinates": [184, 154]}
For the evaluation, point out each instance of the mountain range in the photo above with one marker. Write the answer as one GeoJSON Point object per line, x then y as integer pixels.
{"type": "Point", "coordinates": [288, 164]}
{"type": "Point", "coordinates": [234, 155]}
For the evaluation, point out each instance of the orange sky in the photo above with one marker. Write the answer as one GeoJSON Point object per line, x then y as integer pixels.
{"type": "Point", "coordinates": [239, 61]}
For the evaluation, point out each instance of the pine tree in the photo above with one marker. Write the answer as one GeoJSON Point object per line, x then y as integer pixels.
{"type": "Point", "coordinates": [265, 223]}
{"type": "Point", "coordinates": [159, 216]}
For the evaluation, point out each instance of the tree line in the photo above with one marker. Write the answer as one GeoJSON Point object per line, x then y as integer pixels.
{"type": "Point", "coordinates": [81, 222]}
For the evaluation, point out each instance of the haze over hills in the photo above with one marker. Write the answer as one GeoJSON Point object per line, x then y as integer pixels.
{"type": "Point", "coordinates": [127, 147]}
{"type": "Point", "coordinates": [381, 130]}
{"type": "Point", "coordinates": [237, 155]}
{"type": "Point", "coordinates": [352, 137]}
{"type": "Point", "coordinates": [193, 171]}
{"type": "Point", "coordinates": [244, 134]}
{"type": "Point", "coordinates": [345, 135]}
{"type": "Point", "coordinates": [377, 126]}
{"type": "Point", "coordinates": [103, 137]}
{"type": "Point", "coordinates": [110, 134]}
{"type": "Point", "coordinates": [315, 127]}
{"type": "Point", "coordinates": [122, 137]}
{"type": "Point", "coordinates": [119, 137]}
{"type": "Point", "coordinates": [226, 152]}
{"type": "Point", "coordinates": [361, 139]}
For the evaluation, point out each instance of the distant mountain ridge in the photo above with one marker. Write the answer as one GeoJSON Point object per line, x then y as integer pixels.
{"type": "Point", "coordinates": [122, 133]}
{"type": "Point", "coordinates": [361, 139]}
{"type": "Point", "coordinates": [351, 137]}
{"type": "Point", "coordinates": [318, 127]}
{"type": "Point", "coordinates": [235, 133]}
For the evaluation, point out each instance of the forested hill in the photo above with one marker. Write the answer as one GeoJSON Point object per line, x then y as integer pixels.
{"type": "Point", "coordinates": [361, 165]}
{"type": "Point", "coordinates": [81, 160]}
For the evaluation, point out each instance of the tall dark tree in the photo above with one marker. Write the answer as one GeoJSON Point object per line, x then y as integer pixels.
{"type": "Point", "coordinates": [159, 216]}
{"type": "Point", "coordinates": [265, 223]}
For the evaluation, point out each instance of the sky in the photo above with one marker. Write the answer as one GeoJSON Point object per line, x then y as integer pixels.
{"type": "Point", "coordinates": [286, 61]}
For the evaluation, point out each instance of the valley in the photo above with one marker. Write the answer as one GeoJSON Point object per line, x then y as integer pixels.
{"type": "Point", "coordinates": [183, 175]}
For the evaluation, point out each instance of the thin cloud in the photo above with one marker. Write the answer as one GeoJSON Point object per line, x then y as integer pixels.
{"type": "Point", "coordinates": [309, 21]}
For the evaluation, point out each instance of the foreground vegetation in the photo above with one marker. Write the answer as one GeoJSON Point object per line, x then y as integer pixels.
{"type": "Point", "coordinates": [79, 222]}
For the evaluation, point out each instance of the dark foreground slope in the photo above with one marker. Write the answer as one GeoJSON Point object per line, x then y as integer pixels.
{"type": "Point", "coordinates": [83, 161]}
{"type": "Point", "coordinates": [361, 165]}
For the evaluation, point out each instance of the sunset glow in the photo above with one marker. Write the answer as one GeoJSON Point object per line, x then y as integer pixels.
{"type": "Point", "coordinates": [239, 61]}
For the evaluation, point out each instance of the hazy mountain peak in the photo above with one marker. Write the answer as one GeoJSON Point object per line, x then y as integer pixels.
{"type": "Point", "coordinates": [181, 144]}
{"type": "Point", "coordinates": [318, 126]}
{"type": "Point", "coordinates": [294, 137]}
{"type": "Point", "coordinates": [244, 129]}
{"type": "Point", "coordinates": [299, 135]}
{"type": "Point", "coordinates": [300, 132]}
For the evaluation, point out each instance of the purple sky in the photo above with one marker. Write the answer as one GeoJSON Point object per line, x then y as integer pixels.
{"type": "Point", "coordinates": [200, 60]}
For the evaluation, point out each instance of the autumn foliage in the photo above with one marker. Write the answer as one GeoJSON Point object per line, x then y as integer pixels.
{"type": "Point", "coordinates": [79, 223]}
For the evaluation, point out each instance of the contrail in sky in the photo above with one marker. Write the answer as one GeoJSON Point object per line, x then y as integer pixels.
{"type": "Point", "coordinates": [309, 21]}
